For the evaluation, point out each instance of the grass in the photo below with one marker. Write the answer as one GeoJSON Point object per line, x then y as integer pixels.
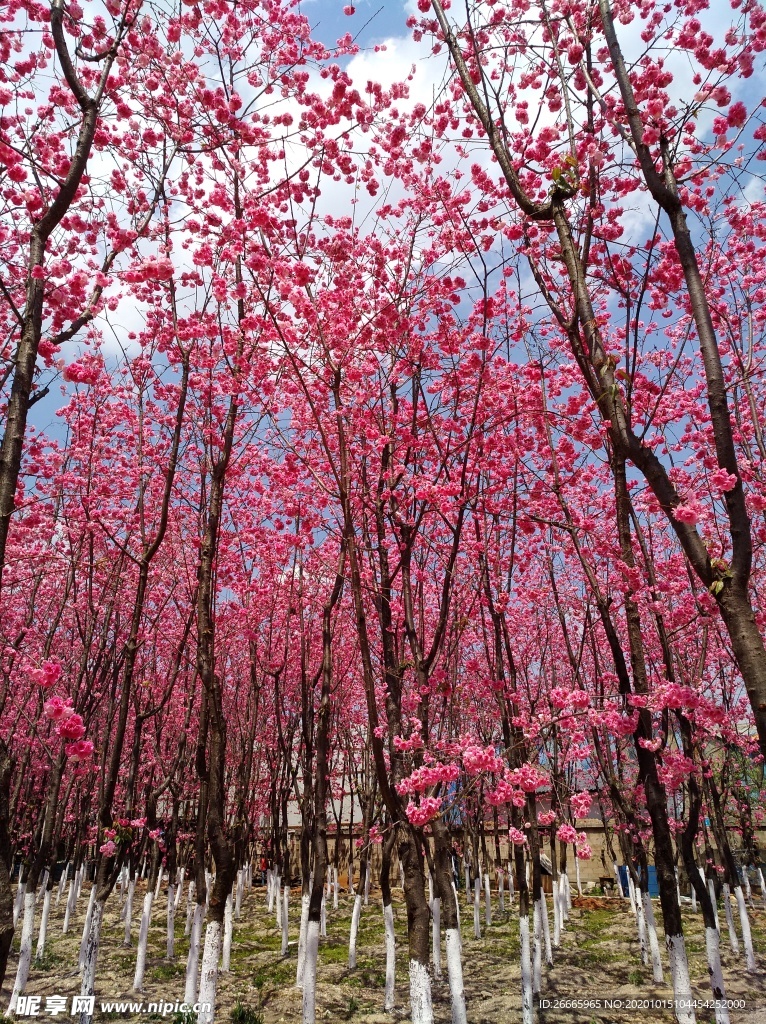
{"type": "Point", "coordinates": [242, 1014]}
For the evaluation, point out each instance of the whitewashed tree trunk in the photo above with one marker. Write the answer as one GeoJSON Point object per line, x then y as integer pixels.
{"type": "Point", "coordinates": [762, 883]}
{"type": "Point", "coordinates": [87, 988]}
{"type": "Point", "coordinates": [86, 926]}
{"type": "Point", "coordinates": [44, 925]}
{"type": "Point", "coordinates": [733, 940]}
{"type": "Point", "coordinates": [158, 886]}
{"type": "Point", "coordinates": [487, 901]}
{"type": "Point", "coordinates": [269, 890]}
{"type": "Point", "coordinates": [129, 912]}
{"type": "Point", "coordinates": [679, 973]}
{"type": "Point", "coordinates": [420, 994]}
{"type": "Point", "coordinates": [192, 961]}
{"type": "Point", "coordinates": [367, 885]}
{"type": "Point", "coordinates": [180, 887]}
{"type": "Point", "coordinates": [577, 875]}
{"type": "Point", "coordinates": [467, 884]}
{"type": "Point", "coordinates": [190, 905]}
{"type": "Point", "coordinates": [388, 924]}
{"type": "Point", "coordinates": [455, 976]}
{"type": "Point", "coordinates": [170, 924]}
{"type": "Point", "coordinates": [694, 900]}
{"type": "Point", "coordinates": [228, 934]}
{"type": "Point", "coordinates": [209, 977]}
{"type": "Point", "coordinates": [746, 884]}
{"type": "Point", "coordinates": [354, 931]}
{"type": "Point", "coordinates": [713, 950]}
{"type": "Point", "coordinates": [634, 899]}
{"type": "Point", "coordinates": [567, 896]}
{"type": "Point", "coordinates": [285, 919]}
{"type": "Point", "coordinates": [69, 909]}
{"type": "Point", "coordinates": [641, 926]}
{"type": "Point", "coordinates": [556, 915]}
{"type": "Point", "coordinates": [302, 935]}
{"type": "Point", "coordinates": [19, 901]}
{"type": "Point", "coordinates": [654, 945]}
{"type": "Point", "coordinates": [620, 890]}
{"type": "Point", "coordinates": [240, 890]}
{"type": "Point", "coordinates": [744, 923]}
{"type": "Point", "coordinates": [537, 963]}
{"type": "Point", "coordinates": [335, 888]}
{"type": "Point", "coordinates": [546, 928]}
{"type": "Point", "coordinates": [323, 919]}
{"type": "Point", "coordinates": [25, 951]}
{"type": "Point", "coordinates": [278, 900]}
{"type": "Point", "coordinates": [527, 995]}
{"type": "Point", "coordinates": [62, 884]}
{"type": "Point", "coordinates": [500, 891]}
{"type": "Point", "coordinates": [143, 941]}
{"type": "Point", "coordinates": [436, 937]}
{"type": "Point", "coordinates": [477, 907]}
{"type": "Point", "coordinates": [510, 883]}
{"type": "Point", "coordinates": [310, 971]}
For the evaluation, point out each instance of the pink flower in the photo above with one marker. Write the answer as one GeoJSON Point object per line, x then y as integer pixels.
{"type": "Point", "coordinates": [79, 751]}
{"type": "Point", "coordinates": [57, 709]}
{"type": "Point", "coordinates": [108, 849]}
{"type": "Point", "coordinates": [721, 480]}
{"type": "Point", "coordinates": [547, 817]}
{"type": "Point", "coordinates": [685, 514]}
{"type": "Point", "coordinates": [72, 728]}
{"type": "Point", "coordinates": [47, 675]}
{"type": "Point", "coordinates": [567, 833]}
{"type": "Point", "coordinates": [517, 838]}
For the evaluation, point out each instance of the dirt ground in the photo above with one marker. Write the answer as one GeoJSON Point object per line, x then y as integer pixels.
{"type": "Point", "coordinates": [597, 964]}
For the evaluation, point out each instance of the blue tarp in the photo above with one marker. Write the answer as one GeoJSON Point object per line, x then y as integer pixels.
{"type": "Point", "coordinates": [653, 887]}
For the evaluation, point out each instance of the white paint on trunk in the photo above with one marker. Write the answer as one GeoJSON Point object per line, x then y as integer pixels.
{"type": "Point", "coordinates": [527, 996]}
{"type": "Point", "coordinates": [299, 972]}
{"type": "Point", "coordinates": [367, 885]}
{"type": "Point", "coordinates": [467, 883]}
{"type": "Point", "coordinates": [354, 930]}
{"type": "Point", "coordinates": [500, 891]}
{"type": "Point", "coordinates": [430, 891]}
{"type": "Point", "coordinates": [457, 913]}
{"type": "Point", "coordinates": [323, 919]}
{"type": "Point", "coordinates": [477, 907]}
{"type": "Point", "coordinates": [556, 915]}
{"type": "Point", "coordinates": [455, 975]}
{"type": "Point", "coordinates": [537, 962]}
{"type": "Point", "coordinates": [62, 884]}
{"type": "Point", "coordinates": [510, 883]}
{"type": "Point", "coordinates": [190, 905]}
{"type": "Point", "coordinates": [436, 936]}
{"type": "Point", "coordinates": [129, 912]}
{"type": "Point", "coordinates": [158, 886]}
{"type": "Point", "coordinates": [209, 977]}
{"type": "Point", "coordinates": [713, 949]}
{"type": "Point", "coordinates": [192, 961]}
{"type": "Point", "coordinates": [143, 939]}
{"type": "Point", "coordinates": [388, 924]}
{"type": "Point", "coordinates": [88, 986]}
{"type": "Point", "coordinates": [44, 924]}
{"type": "Point", "coordinates": [632, 895]}
{"type": "Point", "coordinates": [18, 902]}
{"type": "Point", "coordinates": [170, 924]}
{"type": "Point", "coordinates": [335, 888]}
{"type": "Point", "coordinates": [487, 901]}
{"type": "Point", "coordinates": [654, 945]}
{"type": "Point", "coordinates": [546, 928]}
{"type": "Point", "coordinates": [744, 923]}
{"type": "Point", "coordinates": [240, 889]}
{"type": "Point", "coordinates": [285, 919]}
{"type": "Point", "coordinates": [577, 874]}
{"type": "Point", "coordinates": [733, 940]}
{"type": "Point", "coordinates": [25, 952]}
{"type": "Point", "coordinates": [310, 972]}
{"type": "Point", "coordinates": [567, 896]}
{"type": "Point", "coordinates": [69, 907]}
{"type": "Point", "coordinates": [618, 879]}
{"type": "Point", "coordinates": [762, 883]}
{"type": "Point", "coordinates": [180, 887]}
{"type": "Point", "coordinates": [420, 994]}
{"type": "Point", "coordinates": [679, 973]}
{"type": "Point", "coordinates": [86, 926]}
{"type": "Point", "coordinates": [228, 933]}
{"type": "Point", "coordinates": [269, 890]}
{"type": "Point", "coordinates": [694, 900]}
{"type": "Point", "coordinates": [641, 926]}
